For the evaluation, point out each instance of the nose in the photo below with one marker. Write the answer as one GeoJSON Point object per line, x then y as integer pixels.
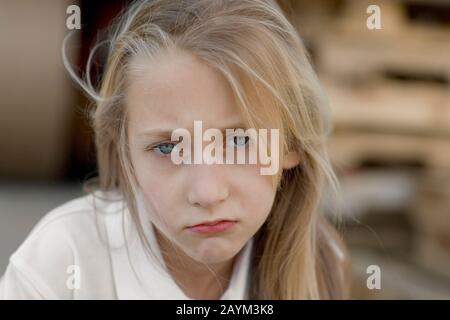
{"type": "Point", "coordinates": [207, 187]}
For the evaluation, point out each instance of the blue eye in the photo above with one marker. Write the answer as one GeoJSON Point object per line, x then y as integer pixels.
{"type": "Point", "coordinates": [240, 141]}
{"type": "Point", "coordinates": [164, 148]}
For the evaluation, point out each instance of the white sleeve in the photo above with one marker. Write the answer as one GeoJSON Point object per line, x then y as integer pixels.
{"type": "Point", "coordinates": [15, 285]}
{"type": "Point", "coordinates": [37, 270]}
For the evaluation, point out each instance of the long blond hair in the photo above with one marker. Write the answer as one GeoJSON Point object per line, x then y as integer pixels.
{"type": "Point", "coordinates": [262, 57]}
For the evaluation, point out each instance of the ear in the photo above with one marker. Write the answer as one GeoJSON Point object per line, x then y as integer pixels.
{"type": "Point", "coordinates": [291, 159]}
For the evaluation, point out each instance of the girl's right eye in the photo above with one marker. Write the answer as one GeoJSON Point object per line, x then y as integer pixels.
{"type": "Point", "coordinates": [164, 149]}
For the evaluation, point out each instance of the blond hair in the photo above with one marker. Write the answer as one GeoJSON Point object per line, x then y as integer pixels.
{"type": "Point", "coordinates": [262, 57]}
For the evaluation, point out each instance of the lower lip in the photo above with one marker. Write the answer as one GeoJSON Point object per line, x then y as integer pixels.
{"type": "Point", "coordinates": [216, 228]}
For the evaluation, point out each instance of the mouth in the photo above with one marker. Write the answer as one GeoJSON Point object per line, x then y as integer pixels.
{"type": "Point", "coordinates": [216, 226]}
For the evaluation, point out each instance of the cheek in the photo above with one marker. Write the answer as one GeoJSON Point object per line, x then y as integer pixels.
{"type": "Point", "coordinates": [155, 178]}
{"type": "Point", "coordinates": [256, 194]}
{"type": "Point", "coordinates": [152, 172]}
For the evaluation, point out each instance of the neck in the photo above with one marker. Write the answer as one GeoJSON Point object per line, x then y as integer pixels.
{"type": "Point", "coordinates": [197, 280]}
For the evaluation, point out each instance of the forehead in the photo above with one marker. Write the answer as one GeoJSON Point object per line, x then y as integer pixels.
{"type": "Point", "coordinates": [174, 90]}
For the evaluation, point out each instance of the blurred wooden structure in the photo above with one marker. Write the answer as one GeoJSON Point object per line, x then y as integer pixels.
{"type": "Point", "coordinates": [389, 91]}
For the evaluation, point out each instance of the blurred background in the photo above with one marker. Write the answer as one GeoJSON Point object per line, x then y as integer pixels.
{"type": "Point", "coordinates": [390, 99]}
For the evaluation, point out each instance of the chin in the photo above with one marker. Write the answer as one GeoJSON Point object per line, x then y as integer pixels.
{"type": "Point", "coordinates": [209, 253]}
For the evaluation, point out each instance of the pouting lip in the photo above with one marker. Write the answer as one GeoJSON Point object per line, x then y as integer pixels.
{"type": "Point", "coordinates": [211, 223]}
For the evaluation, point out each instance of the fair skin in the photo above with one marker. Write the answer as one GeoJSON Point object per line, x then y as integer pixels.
{"type": "Point", "coordinates": [170, 92]}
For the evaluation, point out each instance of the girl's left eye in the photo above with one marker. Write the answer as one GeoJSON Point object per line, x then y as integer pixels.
{"type": "Point", "coordinates": [239, 141]}
{"type": "Point", "coordinates": [164, 148]}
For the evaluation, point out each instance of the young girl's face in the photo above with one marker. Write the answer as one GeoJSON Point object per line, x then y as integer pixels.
{"type": "Point", "coordinates": [171, 92]}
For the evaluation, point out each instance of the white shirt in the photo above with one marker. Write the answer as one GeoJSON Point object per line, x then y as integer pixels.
{"type": "Point", "coordinates": [76, 252]}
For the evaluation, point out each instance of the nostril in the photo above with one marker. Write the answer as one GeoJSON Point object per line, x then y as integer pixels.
{"type": "Point", "coordinates": [207, 197]}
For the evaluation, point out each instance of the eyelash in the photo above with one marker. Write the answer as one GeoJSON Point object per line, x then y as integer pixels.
{"type": "Point", "coordinates": [157, 150]}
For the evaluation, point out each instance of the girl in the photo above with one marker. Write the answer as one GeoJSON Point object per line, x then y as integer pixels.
{"type": "Point", "coordinates": [156, 230]}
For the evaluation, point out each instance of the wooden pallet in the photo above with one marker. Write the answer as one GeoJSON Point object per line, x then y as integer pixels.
{"type": "Point", "coordinates": [400, 47]}
{"type": "Point", "coordinates": [389, 121]}
{"type": "Point", "coordinates": [350, 149]}
{"type": "Point", "coordinates": [431, 208]}
{"type": "Point", "coordinates": [433, 253]}
{"type": "Point", "coordinates": [390, 106]}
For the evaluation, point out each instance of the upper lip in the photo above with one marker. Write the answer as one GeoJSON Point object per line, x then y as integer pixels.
{"type": "Point", "coordinates": [211, 222]}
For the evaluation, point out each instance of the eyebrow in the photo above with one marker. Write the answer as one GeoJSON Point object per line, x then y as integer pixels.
{"type": "Point", "coordinates": [167, 133]}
